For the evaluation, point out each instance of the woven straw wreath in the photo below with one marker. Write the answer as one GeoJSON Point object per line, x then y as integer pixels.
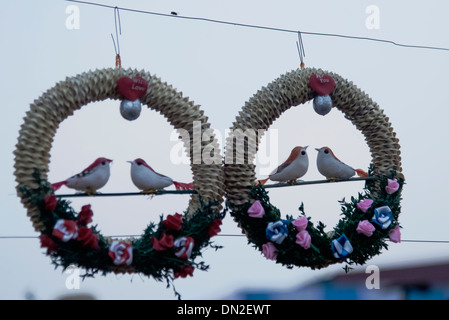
{"type": "Point", "coordinates": [269, 103]}
{"type": "Point", "coordinates": [32, 155]}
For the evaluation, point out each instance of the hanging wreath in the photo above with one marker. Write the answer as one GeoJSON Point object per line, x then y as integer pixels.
{"type": "Point", "coordinates": [368, 220]}
{"type": "Point", "coordinates": [166, 249]}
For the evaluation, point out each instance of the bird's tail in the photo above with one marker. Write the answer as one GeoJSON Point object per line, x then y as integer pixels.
{"type": "Point", "coordinates": [262, 182]}
{"type": "Point", "coordinates": [58, 185]}
{"type": "Point", "coordinates": [361, 173]}
{"type": "Point", "coordinates": [183, 186]}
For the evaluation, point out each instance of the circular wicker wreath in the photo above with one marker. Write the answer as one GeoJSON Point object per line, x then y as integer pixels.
{"type": "Point", "coordinates": [155, 252]}
{"type": "Point", "coordinates": [368, 221]}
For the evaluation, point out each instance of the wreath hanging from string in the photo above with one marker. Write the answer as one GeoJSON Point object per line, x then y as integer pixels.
{"type": "Point", "coordinates": [368, 220]}
{"type": "Point", "coordinates": [167, 249]}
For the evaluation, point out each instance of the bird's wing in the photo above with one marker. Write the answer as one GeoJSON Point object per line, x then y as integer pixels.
{"type": "Point", "coordinates": [279, 168]}
{"type": "Point", "coordinates": [160, 175]}
{"type": "Point", "coordinates": [81, 174]}
{"type": "Point", "coordinates": [157, 173]}
{"type": "Point", "coordinates": [90, 167]}
{"type": "Point", "coordinates": [292, 157]}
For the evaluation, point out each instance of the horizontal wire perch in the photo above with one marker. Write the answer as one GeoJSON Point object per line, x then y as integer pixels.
{"type": "Point", "coordinates": [303, 183]}
{"type": "Point", "coordinates": [119, 194]}
{"type": "Point", "coordinates": [162, 192]}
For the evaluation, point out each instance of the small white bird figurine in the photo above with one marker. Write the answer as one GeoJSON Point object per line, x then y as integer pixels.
{"type": "Point", "coordinates": [148, 180]}
{"type": "Point", "coordinates": [334, 169]}
{"type": "Point", "coordinates": [91, 179]}
{"type": "Point", "coordinates": [293, 168]}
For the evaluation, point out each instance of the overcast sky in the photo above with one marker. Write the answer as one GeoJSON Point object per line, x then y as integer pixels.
{"type": "Point", "coordinates": [220, 67]}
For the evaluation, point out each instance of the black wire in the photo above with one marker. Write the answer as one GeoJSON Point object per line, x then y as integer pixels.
{"type": "Point", "coordinates": [264, 27]}
{"type": "Point", "coordinates": [218, 235]}
{"type": "Point", "coordinates": [120, 194]}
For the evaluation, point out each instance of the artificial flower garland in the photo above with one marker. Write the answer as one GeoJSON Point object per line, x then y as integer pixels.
{"type": "Point", "coordinates": [165, 250]}
{"type": "Point", "coordinates": [368, 222]}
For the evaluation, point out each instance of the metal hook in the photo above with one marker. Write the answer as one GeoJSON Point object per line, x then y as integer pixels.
{"type": "Point", "coordinates": [301, 51]}
{"type": "Point", "coordinates": [118, 62]}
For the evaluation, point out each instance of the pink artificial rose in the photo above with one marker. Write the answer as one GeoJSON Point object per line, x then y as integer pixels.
{"type": "Point", "coordinates": [301, 223]}
{"type": "Point", "coordinates": [65, 230]}
{"type": "Point", "coordinates": [365, 204]}
{"type": "Point", "coordinates": [395, 235]}
{"type": "Point", "coordinates": [366, 228]}
{"type": "Point", "coordinates": [303, 239]}
{"type": "Point", "coordinates": [269, 251]}
{"type": "Point", "coordinates": [121, 253]}
{"type": "Point", "coordinates": [392, 186]}
{"type": "Point", "coordinates": [256, 210]}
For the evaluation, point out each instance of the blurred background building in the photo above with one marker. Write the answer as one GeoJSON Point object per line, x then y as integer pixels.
{"type": "Point", "coordinates": [416, 282]}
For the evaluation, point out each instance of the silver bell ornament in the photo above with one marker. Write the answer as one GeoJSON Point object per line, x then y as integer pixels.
{"type": "Point", "coordinates": [130, 110]}
{"type": "Point", "coordinates": [322, 104]}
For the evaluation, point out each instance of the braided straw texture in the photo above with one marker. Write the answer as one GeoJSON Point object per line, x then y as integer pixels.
{"type": "Point", "coordinates": [47, 112]}
{"type": "Point", "coordinates": [293, 89]}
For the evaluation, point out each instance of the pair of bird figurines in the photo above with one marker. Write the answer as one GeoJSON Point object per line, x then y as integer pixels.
{"type": "Point", "coordinates": [95, 177]}
{"type": "Point", "coordinates": [297, 165]}
{"type": "Point", "coordinates": [147, 180]}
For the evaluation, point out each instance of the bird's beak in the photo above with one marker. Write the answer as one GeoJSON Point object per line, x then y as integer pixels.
{"type": "Point", "coordinates": [305, 148]}
{"type": "Point", "coordinates": [317, 149]}
{"type": "Point", "coordinates": [130, 162]}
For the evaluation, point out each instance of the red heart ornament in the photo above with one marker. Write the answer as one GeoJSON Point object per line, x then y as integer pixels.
{"type": "Point", "coordinates": [132, 89]}
{"type": "Point", "coordinates": [323, 84]}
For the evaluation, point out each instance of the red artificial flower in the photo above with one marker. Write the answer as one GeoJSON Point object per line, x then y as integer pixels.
{"type": "Point", "coordinates": [173, 222]}
{"type": "Point", "coordinates": [164, 243]}
{"type": "Point", "coordinates": [88, 238]}
{"type": "Point", "coordinates": [50, 203]}
{"type": "Point", "coordinates": [47, 242]}
{"type": "Point", "coordinates": [214, 228]}
{"type": "Point", "coordinates": [184, 247]}
{"type": "Point", "coordinates": [184, 271]}
{"type": "Point", "coordinates": [65, 230]}
{"type": "Point", "coordinates": [85, 215]}
{"type": "Point", "coordinates": [121, 253]}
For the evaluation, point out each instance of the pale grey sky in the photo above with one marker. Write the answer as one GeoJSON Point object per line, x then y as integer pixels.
{"type": "Point", "coordinates": [220, 67]}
